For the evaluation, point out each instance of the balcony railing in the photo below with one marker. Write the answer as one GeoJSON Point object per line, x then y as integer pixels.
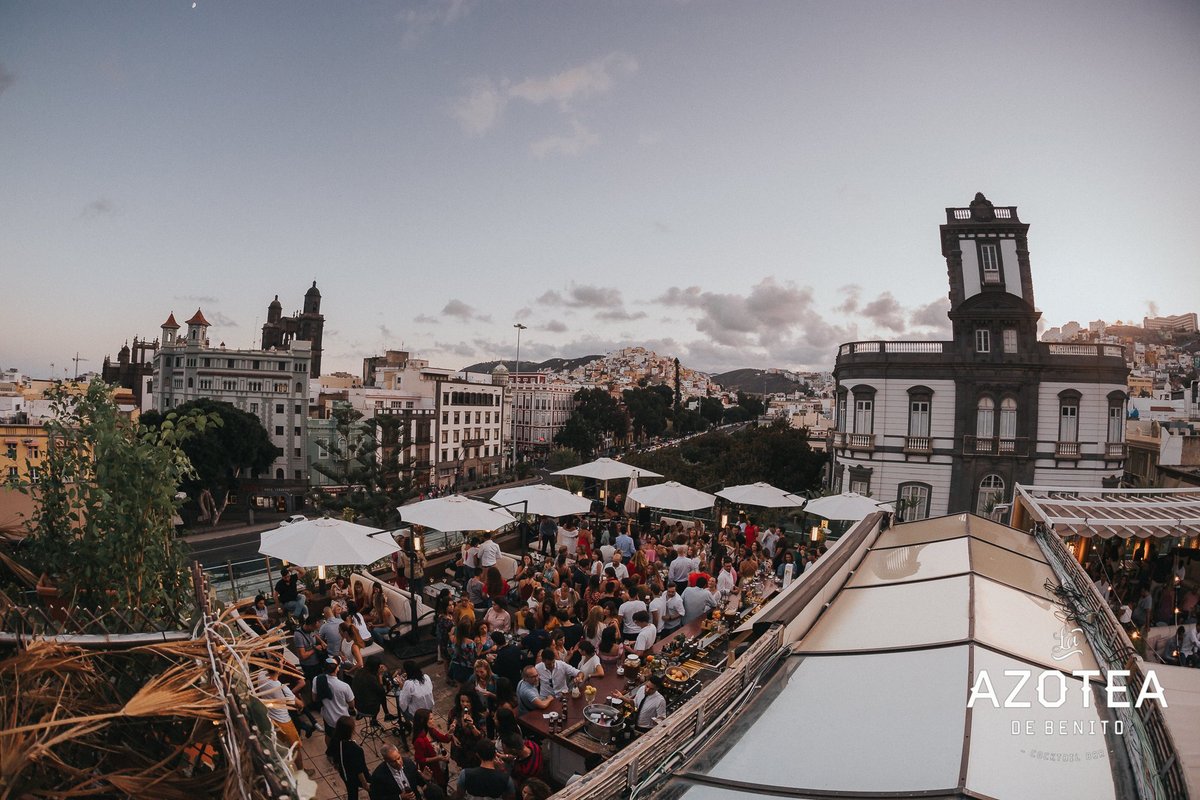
{"type": "Point", "coordinates": [1107, 350]}
{"type": "Point", "coordinates": [918, 444]}
{"type": "Point", "coordinates": [1066, 450]}
{"type": "Point", "coordinates": [1115, 451]}
{"type": "Point", "coordinates": [852, 348]}
{"type": "Point", "coordinates": [996, 446]}
{"type": "Point", "coordinates": [837, 439]}
{"type": "Point", "coordinates": [860, 441]}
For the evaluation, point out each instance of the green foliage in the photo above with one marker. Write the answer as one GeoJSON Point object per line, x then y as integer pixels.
{"type": "Point", "coordinates": [752, 403]}
{"type": "Point", "coordinates": [235, 445]}
{"type": "Point", "coordinates": [712, 409]}
{"type": "Point", "coordinates": [776, 454]}
{"type": "Point", "coordinates": [685, 421]}
{"type": "Point", "coordinates": [597, 414]}
{"type": "Point", "coordinates": [370, 486]}
{"type": "Point", "coordinates": [648, 408]}
{"type": "Point", "coordinates": [102, 526]}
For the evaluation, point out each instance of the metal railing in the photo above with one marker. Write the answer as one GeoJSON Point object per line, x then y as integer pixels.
{"type": "Point", "coordinates": [996, 446]}
{"type": "Point", "coordinates": [853, 348]}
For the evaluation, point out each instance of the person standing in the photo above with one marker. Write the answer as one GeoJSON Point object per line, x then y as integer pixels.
{"type": "Point", "coordinates": [336, 699]}
{"type": "Point", "coordinates": [697, 601]}
{"type": "Point", "coordinates": [649, 704]}
{"type": "Point", "coordinates": [397, 777]}
{"type": "Point", "coordinates": [487, 780]}
{"type": "Point", "coordinates": [349, 758]}
{"type": "Point", "coordinates": [310, 649]}
{"type": "Point", "coordinates": [489, 551]}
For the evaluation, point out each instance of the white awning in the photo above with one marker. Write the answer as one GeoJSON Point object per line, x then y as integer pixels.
{"type": "Point", "coordinates": [1127, 513]}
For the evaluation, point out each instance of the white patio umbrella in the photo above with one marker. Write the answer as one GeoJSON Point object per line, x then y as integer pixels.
{"type": "Point", "coordinates": [542, 498]}
{"type": "Point", "coordinates": [327, 542]}
{"type": "Point", "coordinates": [673, 496]}
{"type": "Point", "coordinates": [848, 505]}
{"type": "Point", "coordinates": [455, 513]}
{"type": "Point", "coordinates": [760, 494]}
{"type": "Point", "coordinates": [631, 505]}
{"type": "Point", "coordinates": [605, 469]}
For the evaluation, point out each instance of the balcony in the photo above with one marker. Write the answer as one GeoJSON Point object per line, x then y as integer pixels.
{"type": "Point", "coordinates": [1066, 450]}
{"type": "Point", "coordinates": [1115, 451]}
{"type": "Point", "coordinates": [1087, 350]}
{"type": "Point", "coordinates": [921, 445]}
{"type": "Point", "coordinates": [996, 446]}
{"type": "Point", "coordinates": [860, 441]}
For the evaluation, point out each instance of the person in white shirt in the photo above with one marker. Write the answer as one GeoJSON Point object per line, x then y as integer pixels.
{"type": "Point", "coordinates": [589, 663]}
{"type": "Point", "coordinates": [336, 696]}
{"type": "Point", "coordinates": [488, 552]}
{"type": "Point", "coordinates": [619, 568]}
{"type": "Point", "coordinates": [555, 675]}
{"type": "Point", "coordinates": [648, 702]}
{"type": "Point", "coordinates": [671, 615]}
{"type": "Point", "coordinates": [812, 561]}
{"type": "Point", "coordinates": [647, 635]}
{"type": "Point", "coordinates": [768, 541]}
{"type": "Point", "coordinates": [628, 612]}
{"type": "Point", "coordinates": [415, 693]}
{"type": "Point", "coordinates": [279, 699]}
{"type": "Point", "coordinates": [568, 537]}
{"type": "Point", "coordinates": [727, 578]}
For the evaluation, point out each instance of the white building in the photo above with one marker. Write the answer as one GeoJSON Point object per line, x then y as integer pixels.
{"type": "Point", "coordinates": [270, 384]}
{"type": "Point", "coordinates": [541, 408]}
{"type": "Point", "coordinates": [946, 427]}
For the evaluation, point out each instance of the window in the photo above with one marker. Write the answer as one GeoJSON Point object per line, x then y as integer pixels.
{"type": "Point", "coordinates": [12, 473]}
{"type": "Point", "coordinates": [913, 501]}
{"type": "Point", "coordinates": [191, 361]}
{"type": "Point", "coordinates": [279, 430]}
{"type": "Point", "coordinates": [229, 386]}
{"type": "Point", "coordinates": [35, 451]}
{"type": "Point", "coordinates": [860, 487]}
{"type": "Point", "coordinates": [296, 431]}
{"type": "Point", "coordinates": [1008, 418]}
{"type": "Point", "coordinates": [11, 450]}
{"type": "Point", "coordinates": [296, 452]}
{"type": "Point", "coordinates": [35, 474]}
{"type": "Point", "coordinates": [985, 418]}
{"type": "Point", "coordinates": [860, 479]}
{"type": "Point", "coordinates": [864, 416]}
{"type": "Point", "coordinates": [445, 417]}
{"type": "Point", "coordinates": [457, 418]}
{"type": "Point", "coordinates": [296, 409]}
{"type": "Point", "coordinates": [1068, 417]}
{"type": "Point", "coordinates": [1010, 340]}
{"type": "Point", "coordinates": [1116, 422]}
{"type": "Point", "coordinates": [444, 456]}
{"type": "Point", "coordinates": [255, 386]}
{"type": "Point", "coordinates": [991, 493]}
{"type": "Point", "coordinates": [445, 437]}
{"type": "Point", "coordinates": [841, 411]}
{"type": "Point", "coordinates": [279, 408]}
{"type": "Point", "coordinates": [989, 260]}
{"type": "Point", "coordinates": [299, 474]}
{"type": "Point", "coordinates": [254, 408]}
{"type": "Point", "coordinates": [278, 474]}
{"type": "Point", "coordinates": [983, 340]}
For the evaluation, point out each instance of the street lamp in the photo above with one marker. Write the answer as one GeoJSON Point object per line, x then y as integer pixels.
{"type": "Point", "coordinates": [513, 381]}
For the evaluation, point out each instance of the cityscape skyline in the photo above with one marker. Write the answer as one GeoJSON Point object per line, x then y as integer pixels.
{"type": "Point", "coordinates": [738, 186]}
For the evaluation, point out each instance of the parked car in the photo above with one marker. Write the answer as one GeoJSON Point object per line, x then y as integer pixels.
{"type": "Point", "coordinates": [294, 518]}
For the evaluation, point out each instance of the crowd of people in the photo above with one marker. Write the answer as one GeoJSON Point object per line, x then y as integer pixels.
{"type": "Point", "coordinates": [585, 597]}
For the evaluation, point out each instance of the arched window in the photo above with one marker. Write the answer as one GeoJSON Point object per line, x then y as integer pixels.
{"type": "Point", "coordinates": [278, 474]}
{"type": "Point", "coordinates": [985, 418]}
{"type": "Point", "coordinates": [913, 501]}
{"type": "Point", "coordinates": [1008, 419]}
{"type": "Point", "coordinates": [991, 492]}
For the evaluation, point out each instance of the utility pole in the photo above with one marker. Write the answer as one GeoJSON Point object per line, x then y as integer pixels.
{"type": "Point", "coordinates": [513, 383]}
{"type": "Point", "coordinates": [77, 359]}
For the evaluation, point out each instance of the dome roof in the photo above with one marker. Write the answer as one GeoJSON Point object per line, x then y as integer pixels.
{"type": "Point", "coordinates": [499, 369]}
{"type": "Point", "coordinates": [198, 319]}
{"type": "Point", "coordinates": [313, 292]}
{"type": "Point", "coordinates": [275, 303]}
{"type": "Point", "coordinates": [170, 323]}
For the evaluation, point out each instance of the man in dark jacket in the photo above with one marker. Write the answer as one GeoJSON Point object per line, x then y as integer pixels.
{"type": "Point", "coordinates": [397, 777]}
{"type": "Point", "coordinates": [509, 658]}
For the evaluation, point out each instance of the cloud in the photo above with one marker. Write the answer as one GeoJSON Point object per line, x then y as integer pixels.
{"type": "Point", "coordinates": [579, 139]}
{"type": "Point", "coordinates": [850, 304]}
{"type": "Point", "coordinates": [99, 207]}
{"type": "Point", "coordinates": [220, 320]}
{"type": "Point", "coordinates": [661, 227]}
{"type": "Point", "coordinates": [458, 349]}
{"type": "Point", "coordinates": [583, 296]}
{"type": "Point", "coordinates": [885, 312]}
{"type": "Point", "coordinates": [420, 18]}
{"type": "Point", "coordinates": [480, 110]}
{"type": "Point", "coordinates": [194, 298]}
{"type": "Point", "coordinates": [554, 326]}
{"type": "Point", "coordinates": [425, 319]}
{"type": "Point", "coordinates": [932, 315]}
{"type": "Point", "coordinates": [584, 80]}
{"type": "Point", "coordinates": [1152, 307]}
{"type": "Point", "coordinates": [620, 315]}
{"type": "Point", "coordinates": [460, 310]}
{"type": "Point", "coordinates": [7, 78]}
{"type": "Point", "coordinates": [385, 332]}
{"type": "Point", "coordinates": [487, 98]}
{"type": "Point", "coordinates": [523, 313]}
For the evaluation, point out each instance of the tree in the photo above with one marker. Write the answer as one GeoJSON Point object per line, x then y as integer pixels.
{"type": "Point", "coordinates": [685, 421]}
{"type": "Point", "coordinates": [234, 446]}
{"type": "Point", "coordinates": [578, 435]}
{"type": "Point", "coordinates": [596, 415]}
{"type": "Point", "coordinates": [372, 488]}
{"type": "Point", "coordinates": [104, 507]}
{"type": "Point", "coordinates": [648, 408]}
{"type": "Point", "coordinates": [712, 409]}
{"type": "Point", "coordinates": [752, 403]}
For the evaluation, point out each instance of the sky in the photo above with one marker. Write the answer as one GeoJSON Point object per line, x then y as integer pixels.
{"type": "Point", "coordinates": [739, 184]}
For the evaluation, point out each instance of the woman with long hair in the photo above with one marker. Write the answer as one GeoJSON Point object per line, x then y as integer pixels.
{"type": "Point", "coordinates": [640, 566]}
{"type": "Point", "coordinates": [463, 652]}
{"type": "Point", "coordinates": [425, 753]}
{"type": "Point", "coordinates": [350, 649]}
{"type": "Point", "coordinates": [483, 638]}
{"type": "Point", "coordinates": [594, 626]}
{"type": "Point", "coordinates": [593, 592]}
{"type": "Point", "coordinates": [466, 729]}
{"type": "Point", "coordinates": [349, 758]}
{"type": "Point", "coordinates": [339, 595]}
{"type": "Point", "coordinates": [494, 585]}
{"type": "Point", "coordinates": [611, 649]}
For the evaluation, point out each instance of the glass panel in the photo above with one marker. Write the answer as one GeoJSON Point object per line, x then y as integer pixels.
{"type": "Point", "coordinates": [1011, 569]}
{"type": "Point", "coordinates": [1008, 419]}
{"type": "Point", "coordinates": [918, 421]}
{"type": "Point", "coordinates": [1068, 429]}
{"type": "Point", "coordinates": [912, 562]}
{"type": "Point", "coordinates": [985, 419]}
{"type": "Point", "coordinates": [895, 615]}
{"type": "Point", "coordinates": [927, 530]}
{"type": "Point", "coordinates": [1034, 763]}
{"type": "Point", "coordinates": [1028, 627]}
{"type": "Point", "coordinates": [1006, 537]}
{"type": "Point", "coordinates": [916, 745]}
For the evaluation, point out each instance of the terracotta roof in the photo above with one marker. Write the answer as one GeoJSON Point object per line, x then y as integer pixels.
{"type": "Point", "coordinates": [198, 319]}
{"type": "Point", "coordinates": [170, 323]}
